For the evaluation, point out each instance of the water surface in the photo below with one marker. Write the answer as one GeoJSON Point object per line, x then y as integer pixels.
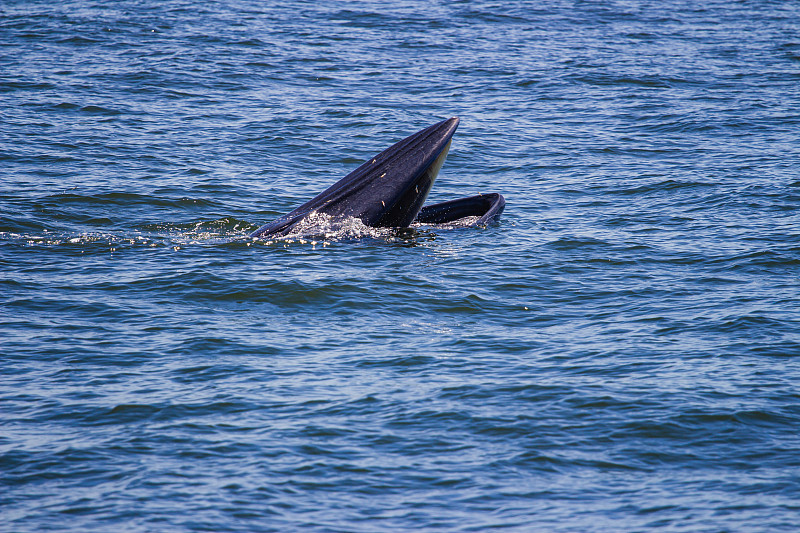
{"type": "Point", "coordinates": [619, 353]}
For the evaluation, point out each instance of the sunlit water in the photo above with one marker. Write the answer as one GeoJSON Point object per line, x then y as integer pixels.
{"type": "Point", "coordinates": [618, 353]}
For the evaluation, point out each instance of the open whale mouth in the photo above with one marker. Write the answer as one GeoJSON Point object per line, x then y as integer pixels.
{"type": "Point", "coordinates": [389, 190]}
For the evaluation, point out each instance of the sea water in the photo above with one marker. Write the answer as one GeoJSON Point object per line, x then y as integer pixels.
{"type": "Point", "coordinates": [621, 352]}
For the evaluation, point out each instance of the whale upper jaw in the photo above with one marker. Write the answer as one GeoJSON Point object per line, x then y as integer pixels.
{"type": "Point", "coordinates": [387, 190]}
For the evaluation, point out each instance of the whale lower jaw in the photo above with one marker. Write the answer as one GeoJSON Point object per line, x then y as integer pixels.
{"type": "Point", "coordinates": [484, 208]}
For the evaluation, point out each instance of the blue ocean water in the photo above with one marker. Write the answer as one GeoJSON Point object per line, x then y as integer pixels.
{"type": "Point", "coordinates": [618, 353]}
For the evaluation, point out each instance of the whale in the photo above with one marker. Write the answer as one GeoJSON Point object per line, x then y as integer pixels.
{"type": "Point", "coordinates": [389, 190]}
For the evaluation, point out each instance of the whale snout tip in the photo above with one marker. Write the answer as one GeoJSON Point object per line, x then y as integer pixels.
{"type": "Point", "coordinates": [448, 127]}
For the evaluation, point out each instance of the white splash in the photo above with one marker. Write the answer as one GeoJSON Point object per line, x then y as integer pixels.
{"type": "Point", "coordinates": [321, 226]}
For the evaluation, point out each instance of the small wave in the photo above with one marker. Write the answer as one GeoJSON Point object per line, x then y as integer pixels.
{"type": "Point", "coordinates": [318, 228]}
{"type": "Point", "coordinates": [664, 186]}
{"type": "Point", "coordinates": [609, 79]}
{"type": "Point", "coordinates": [89, 241]}
{"type": "Point", "coordinates": [8, 86]}
{"type": "Point", "coordinates": [250, 42]}
{"type": "Point", "coordinates": [204, 230]}
{"type": "Point", "coordinates": [218, 231]}
{"type": "Point", "coordinates": [125, 199]}
{"type": "Point", "coordinates": [99, 110]}
{"type": "Point", "coordinates": [325, 228]}
{"type": "Point", "coordinates": [79, 40]}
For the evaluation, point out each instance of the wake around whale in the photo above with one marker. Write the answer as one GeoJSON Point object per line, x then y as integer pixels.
{"type": "Point", "coordinates": [389, 190]}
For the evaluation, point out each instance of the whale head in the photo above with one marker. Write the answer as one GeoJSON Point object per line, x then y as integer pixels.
{"type": "Point", "coordinates": [387, 190]}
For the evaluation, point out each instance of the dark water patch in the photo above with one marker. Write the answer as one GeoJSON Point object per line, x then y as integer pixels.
{"type": "Point", "coordinates": [658, 188]}
{"type": "Point", "coordinates": [98, 310]}
{"type": "Point", "coordinates": [10, 86]}
{"type": "Point", "coordinates": [79, 40]}
{"type": "Point", "coordinates": [568, 243]}
{"type": "Point", "coordinates": [401, 363]}
{"type": "Point", "coordinates": [121, 199]}
{"type": "Point", "coordinates": [210, 372]}
{"type": "Point", "coordinates": [99, 110]}
{"type": "Point", "coordinates": [196, 171]}
{"type": "Point", "coordinates": [615, 80]}
{"type": "Point", "coordinates": [760, 259]}
{"type": "Point", "coordinates": [216, 345]}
